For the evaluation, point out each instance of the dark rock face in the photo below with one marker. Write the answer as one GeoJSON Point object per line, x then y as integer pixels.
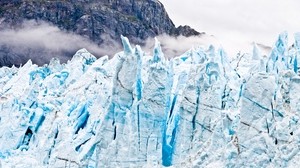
{"type": "Point", "coordinates": [136, 19]}
{"type": "Point", "coordinates": [184, 31]}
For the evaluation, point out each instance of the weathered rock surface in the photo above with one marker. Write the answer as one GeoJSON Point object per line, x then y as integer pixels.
{"type": "Point", "coordinates": [95, 20]}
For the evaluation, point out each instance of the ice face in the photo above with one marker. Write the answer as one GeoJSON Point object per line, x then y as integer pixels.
{"type": "Point", "coordinates": [135, 110]}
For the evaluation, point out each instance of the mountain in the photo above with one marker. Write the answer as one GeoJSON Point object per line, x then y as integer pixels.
{"type": "Point", "coordinates": [139, 110]}
{"type": "Point", "coordinates": [99, 21]}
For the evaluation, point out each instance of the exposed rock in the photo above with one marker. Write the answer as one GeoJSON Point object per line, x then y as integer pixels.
{"type": "Point", "coordinates": [185, 31]}
{"type": "Point", "coordinates": [135, 19]}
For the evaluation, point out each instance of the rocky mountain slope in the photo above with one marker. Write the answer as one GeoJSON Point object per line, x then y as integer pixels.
{"type": "Point", "coordinates": [99, 21]}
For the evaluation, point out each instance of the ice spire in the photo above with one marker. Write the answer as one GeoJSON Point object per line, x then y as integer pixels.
{"type": "Point", "coordinates": [158, 54]}
{"type": "Point", "coordinates": [297, 47]}
{"type": "Point", "coordinates": [276, 60]}
{"type": "Point", "coordinates": [138, 54]}
{"type": "Point", "coordinates": [126, 45]}
{"type": "Point", "coordinates": [256, 53]}
{"type": "Point", "coordinates": [282, 42]}
{"type": "Point", "coordinates": [297, 41]}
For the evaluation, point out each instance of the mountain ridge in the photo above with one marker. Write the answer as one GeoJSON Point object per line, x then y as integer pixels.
{"type": "Point", "coordinates": [91, 19]}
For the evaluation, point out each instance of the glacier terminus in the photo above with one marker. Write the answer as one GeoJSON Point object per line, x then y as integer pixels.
{"type": "Point", "coordinates": [201, 109]}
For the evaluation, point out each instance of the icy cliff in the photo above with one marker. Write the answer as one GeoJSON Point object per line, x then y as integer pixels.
{"type": "Point", "coordinates": [197, 110]}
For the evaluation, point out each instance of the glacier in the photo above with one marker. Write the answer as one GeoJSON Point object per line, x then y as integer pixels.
{"type": "Point", "coordinates": [201, 109]}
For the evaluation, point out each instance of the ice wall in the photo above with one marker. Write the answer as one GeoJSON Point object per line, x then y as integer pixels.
{"type": "Point", "coordinates": [134, 110]}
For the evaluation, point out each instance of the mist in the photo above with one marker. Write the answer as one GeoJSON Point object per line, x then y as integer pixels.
{"type": "Point", "coordinates": [176, 46]}
{"type": "Point", "coordinates": [41, 41]}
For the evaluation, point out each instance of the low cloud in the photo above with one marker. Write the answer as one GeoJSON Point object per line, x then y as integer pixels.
{"type": "Point", "coordinates": [34, 38]}
{"type": "Point", "coordinates": [176, 46]}
{"type": "Point", "coordinates": [40, 42]}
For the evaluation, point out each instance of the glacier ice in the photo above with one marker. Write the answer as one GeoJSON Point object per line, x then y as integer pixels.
{"type": "Point", "coordinates": [201, 109]}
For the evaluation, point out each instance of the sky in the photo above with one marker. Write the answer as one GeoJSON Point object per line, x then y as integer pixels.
{"type": "Point", "coordinates": [238, 23]}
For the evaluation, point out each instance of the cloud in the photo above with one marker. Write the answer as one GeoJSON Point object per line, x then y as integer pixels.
{"type": "Point", "coordinates": [176, 46]}
{"type": "Point", "coordinates": [41, 41]}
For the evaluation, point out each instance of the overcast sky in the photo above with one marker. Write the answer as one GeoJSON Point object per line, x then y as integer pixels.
{"type": "Point", "coordinates": [237, 23]}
